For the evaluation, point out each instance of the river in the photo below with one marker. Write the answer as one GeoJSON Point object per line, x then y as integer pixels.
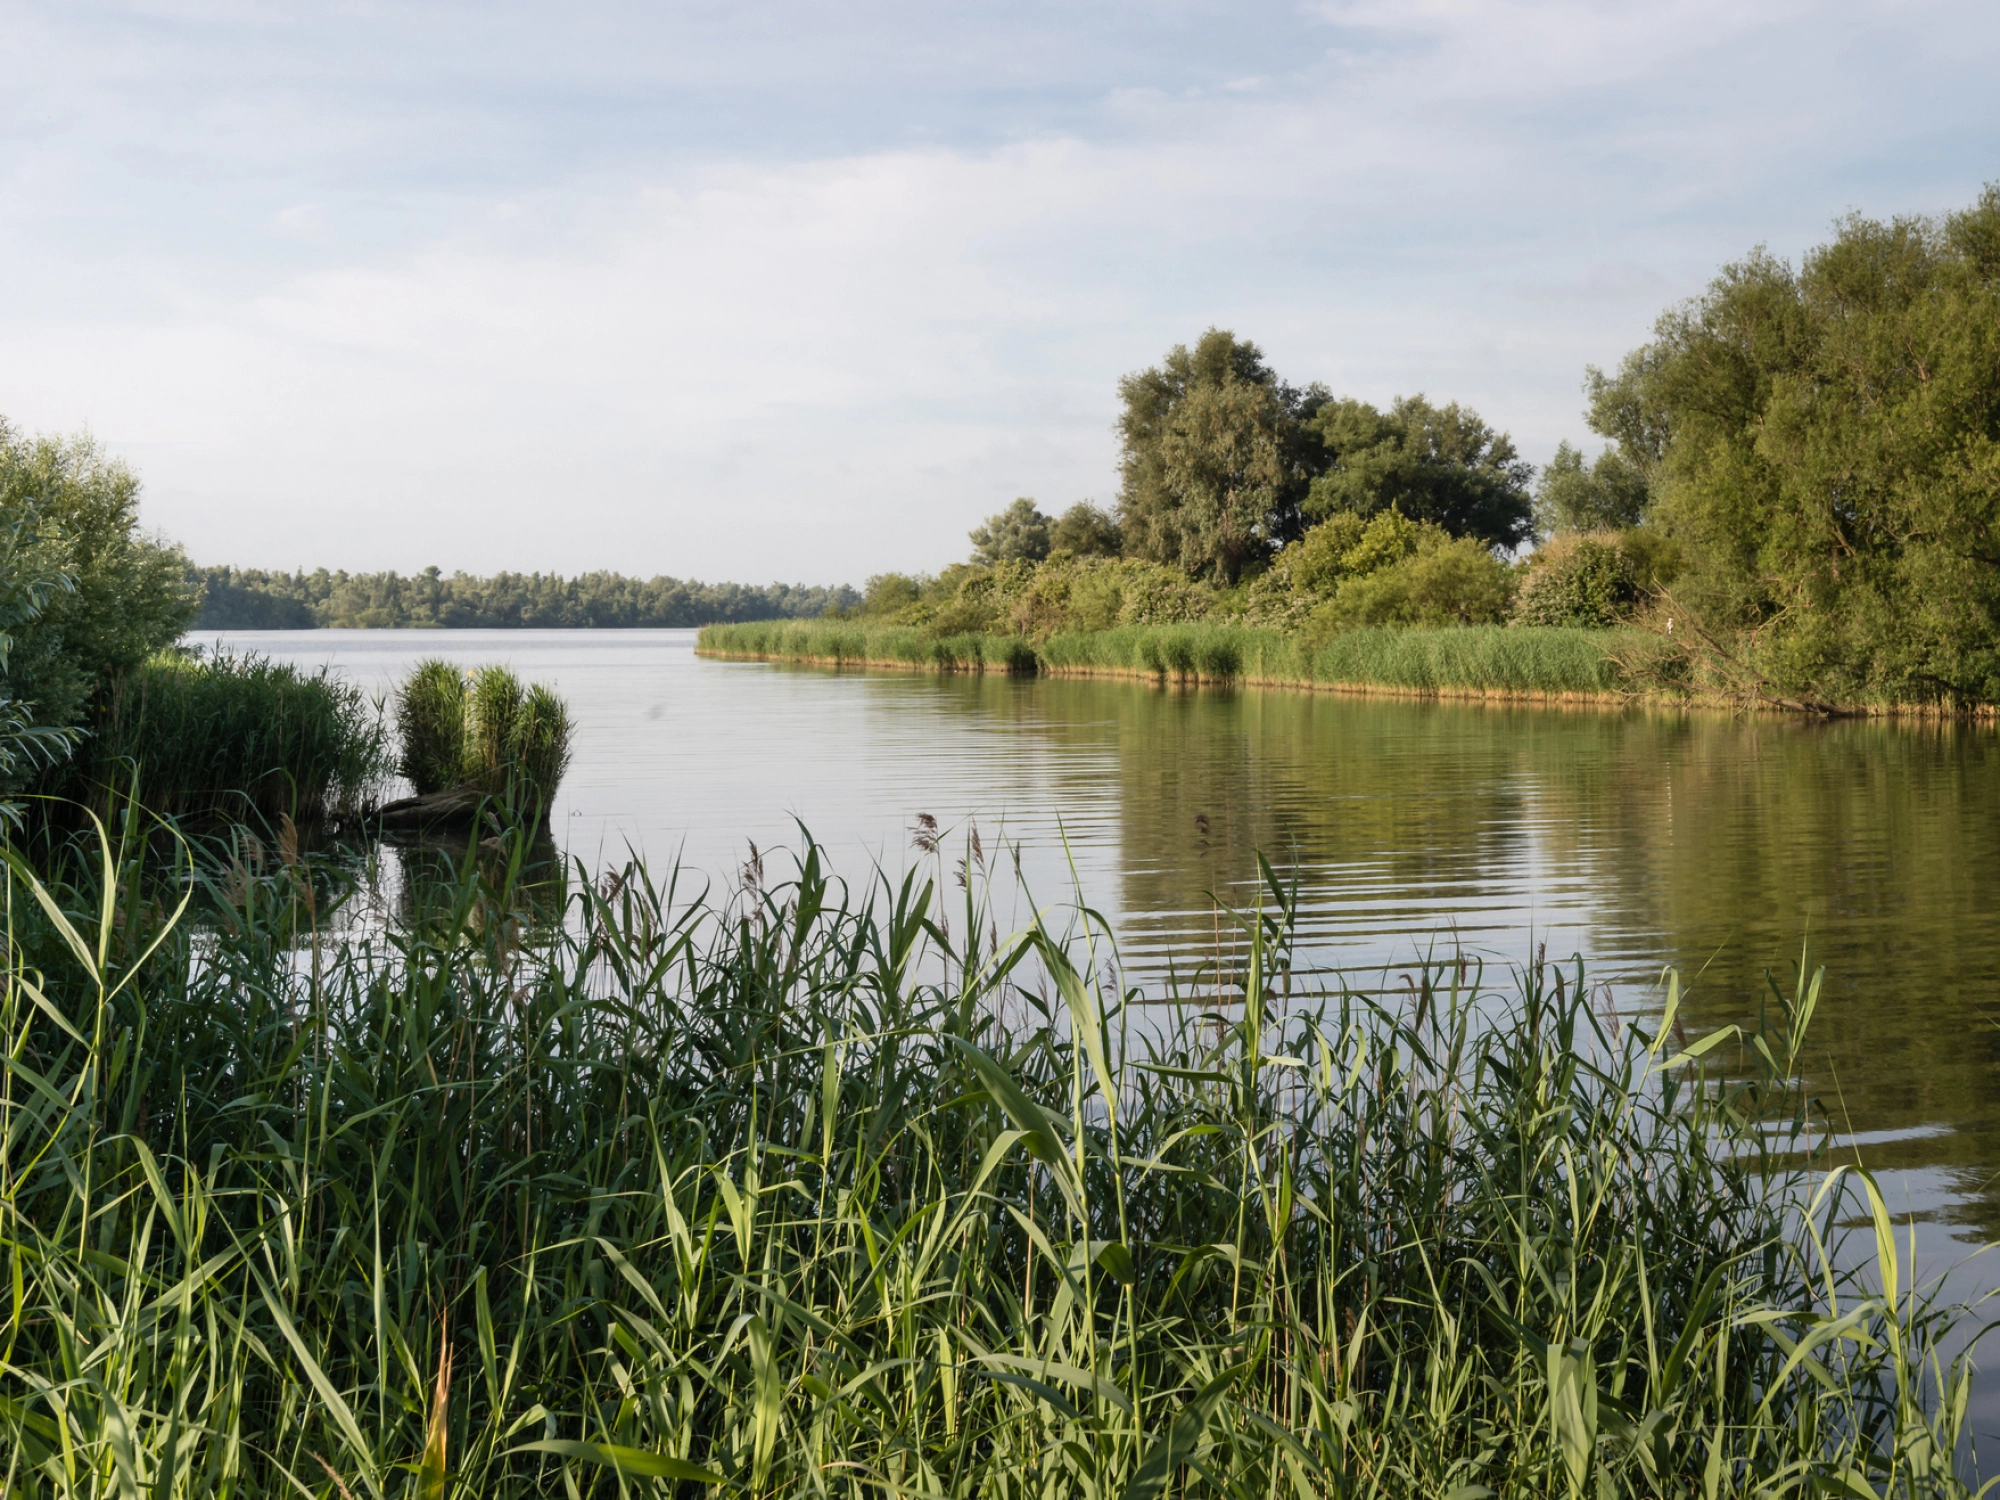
{"type": "Point", "coordinates": [1638, 839]}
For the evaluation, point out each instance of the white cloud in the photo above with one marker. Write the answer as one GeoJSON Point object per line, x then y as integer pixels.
{"type": "Point", "coordinates": [812, 363]}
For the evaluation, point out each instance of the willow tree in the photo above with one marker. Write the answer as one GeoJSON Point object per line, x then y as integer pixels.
{"type": "Point", "coordinates": [1824, 443]}
{"type": "Point", "coordinates": [1215, 460]}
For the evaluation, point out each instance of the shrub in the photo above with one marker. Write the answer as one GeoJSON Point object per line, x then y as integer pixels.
{"type": "Point", "coordinates": [1453, 582]}
{"type": "Point", "coordinates": [1578, 579]}
{"type": "Point", "coordinates": [75, 515]}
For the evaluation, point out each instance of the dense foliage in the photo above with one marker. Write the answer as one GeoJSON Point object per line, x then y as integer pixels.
{"type": "Point", "coordinates": [1823, 443]}
{"type": "Point", "coordinates": [1608, 494]}
{"type": "Point", "coordinates": [1216, 462]}
{"type": "Point", "coordinates": [1020, 533]}
{"type": "Point", "coordinates": [1224, 463]}
{"type": "Point", "coordinates": [250, 599]}
{"type": "Point", "coordinates": [1441, 465]}
{"type": "Point", "coordinates": [819, 1192]}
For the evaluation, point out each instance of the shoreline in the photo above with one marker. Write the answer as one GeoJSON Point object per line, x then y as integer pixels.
{"type": "Point", "coordinates": [1197, 680]}
{"type": "Point", "coordinates": [951, 663]}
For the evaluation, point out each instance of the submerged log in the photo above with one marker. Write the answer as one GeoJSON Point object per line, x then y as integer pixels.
{"type": "Point", "coordinates": [454, 807]}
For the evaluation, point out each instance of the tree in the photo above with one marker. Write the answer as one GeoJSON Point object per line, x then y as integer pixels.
{"type": "Point", "coordinates": [1020, 533]}
{"type": "Point", "coordinates": [1215, 464]}
{"type": "Point", "coordinates": [1437, 464]}
{"type": "Point", "coordinates": [1085, 531]}
{"type": "Point", "coordinates": [1828, 459]}
{"type": "Point", "coordinates": [128, 596]}
{"type": "Point", "coordinates": [1570, 495]}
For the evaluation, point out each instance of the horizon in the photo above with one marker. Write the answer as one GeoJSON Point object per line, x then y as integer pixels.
{"type": "Point", "coordinates": [779, 295]}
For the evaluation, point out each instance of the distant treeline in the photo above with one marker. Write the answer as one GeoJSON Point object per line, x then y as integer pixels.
{"type": "Point", "coordinates": [251, 599]}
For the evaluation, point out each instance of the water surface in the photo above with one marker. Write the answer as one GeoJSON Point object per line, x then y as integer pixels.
{"type": "Point", "coordinates": [1634, 839]}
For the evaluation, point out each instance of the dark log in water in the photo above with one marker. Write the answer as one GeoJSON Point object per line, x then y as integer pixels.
{"type": "Point", "coordinates": [454, 807]}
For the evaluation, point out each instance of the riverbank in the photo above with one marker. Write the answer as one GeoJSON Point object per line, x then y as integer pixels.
{"type": "Point", "coordinates": [1489, 662]}
{"type": "Point", "coordinates": [1617, 667]}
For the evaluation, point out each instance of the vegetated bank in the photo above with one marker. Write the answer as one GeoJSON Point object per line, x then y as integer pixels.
{"type": "Point", "coordinates": [1796, 505]}
{"type": "Point", "coordinates": [828, 1190]}
{"type": "Point", "coordinates": [1526, 663]}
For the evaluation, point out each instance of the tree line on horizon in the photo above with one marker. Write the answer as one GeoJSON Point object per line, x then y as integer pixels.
{"type": "Point", "coordinates": [253, 599]}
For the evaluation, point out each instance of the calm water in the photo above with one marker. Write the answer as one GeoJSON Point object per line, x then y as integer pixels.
{"type": "Point", "coordinates": [1634, 839]}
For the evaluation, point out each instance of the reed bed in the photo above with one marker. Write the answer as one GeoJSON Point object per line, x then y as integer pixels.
{"type": "Point", "coordinates": [235, 736]}
{"type": "Point", "coordinates": [861, 643]}
{"type": "Point", "coordinates": [818, 1190]}
{"type": "Point", "coordinates": [1474, 660]}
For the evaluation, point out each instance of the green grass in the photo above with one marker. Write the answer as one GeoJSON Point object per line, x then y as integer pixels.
{"type": "Point", "coordinates": [1463, 659]}
{"type": "Point", "coordinates": [818, 1190]}
{"type": "Point", "coordinates": [234, 736]}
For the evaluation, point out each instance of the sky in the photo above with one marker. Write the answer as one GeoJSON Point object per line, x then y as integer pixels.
{"type": "Point", "coordinates": [803, 291]}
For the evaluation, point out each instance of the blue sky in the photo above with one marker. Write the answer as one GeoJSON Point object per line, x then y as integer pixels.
{"type": "Point", "coordinates": [804, 291]}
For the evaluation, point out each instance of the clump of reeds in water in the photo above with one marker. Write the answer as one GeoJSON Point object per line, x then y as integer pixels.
{"type": "Point", "coordinates": [835, 1192]}
{"type": "Point", "coordinates": [483, 729]}
{"type": "Point", "coordinates": [233, 736]}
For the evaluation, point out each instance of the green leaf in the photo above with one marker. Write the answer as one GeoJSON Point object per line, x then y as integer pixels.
{"type": "Point", "coordinates": [1117, 1263]}
{"type": "Point", "coordinates": [1177, 1445]}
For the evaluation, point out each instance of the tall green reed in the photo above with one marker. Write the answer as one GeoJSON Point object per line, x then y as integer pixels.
{"type": "Point", "coordinates": [233, 736]}
{"type": "Point", "coordinates": [1527, 660]}
{"type": "Point", "coordinates": [820, 1190]}
{"type": "Point", "coordinates": [484, 728]}
{"type": "Point", "coordinates": [430, 725]}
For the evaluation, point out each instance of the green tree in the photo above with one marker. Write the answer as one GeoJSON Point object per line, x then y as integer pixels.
{"type": "Point", "coordinates": [1828, 459]}
{"type": "Point", "coordinates": [1440, 464]}
{"type": "Point", "coordinates": [1020, 533]}
{"type": "Point", "coordinates": [1570, 495]}
{"type": "Point", "coordinates": [1084, 530]}
{"type": "Point", "coordinates": [128, 595]}
{"type": "Point", "coordinates": [1214, 463]}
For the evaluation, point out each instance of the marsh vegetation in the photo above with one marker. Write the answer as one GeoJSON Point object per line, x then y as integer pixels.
{"type": "Point", "coordinates": [819, 1189]}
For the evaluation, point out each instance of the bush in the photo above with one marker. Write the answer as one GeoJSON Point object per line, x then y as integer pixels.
{"type": "Point", "coordinates": [1454, 582]}
{"type": "Point", "coordinates": [75, 513]}
{"type": "Point", "coordinates": [1578, 579]}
